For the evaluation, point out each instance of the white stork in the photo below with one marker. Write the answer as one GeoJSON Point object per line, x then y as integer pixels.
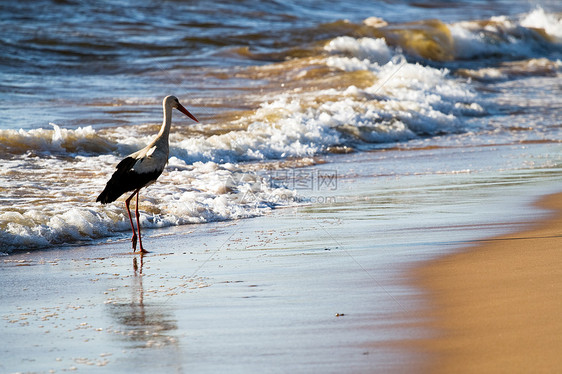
{"type": "Point", "coordinates": [143, 167]}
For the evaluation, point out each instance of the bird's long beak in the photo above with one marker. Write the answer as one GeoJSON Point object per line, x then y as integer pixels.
{"type": "Point", "coordinates": [186, 112]}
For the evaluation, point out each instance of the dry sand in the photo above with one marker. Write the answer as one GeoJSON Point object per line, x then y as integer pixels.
{"type": "Point", "coordinates": [498, 307]}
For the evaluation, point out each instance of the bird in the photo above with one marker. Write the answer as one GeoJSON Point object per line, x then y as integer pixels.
{"type": "Point", "coordinates": [142, 168]}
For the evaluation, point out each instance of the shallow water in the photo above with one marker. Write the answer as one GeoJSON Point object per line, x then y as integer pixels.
{"type": "Point", "coordinates": [276, 86]}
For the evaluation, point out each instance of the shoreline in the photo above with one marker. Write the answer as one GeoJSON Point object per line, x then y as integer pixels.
{"type": "Point", "coordinates": [296, 290]}
{"type": "Point", "coordinates": [496, 307]}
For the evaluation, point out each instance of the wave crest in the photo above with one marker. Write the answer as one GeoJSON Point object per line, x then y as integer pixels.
{"type": "Point", "coordinates": [55, 141]}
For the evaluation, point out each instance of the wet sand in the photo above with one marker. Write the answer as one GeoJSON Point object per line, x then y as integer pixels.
{"type": "Point", "coordinates": [497, 307]}
{"type": "Point", "coordinates": [257, 295]}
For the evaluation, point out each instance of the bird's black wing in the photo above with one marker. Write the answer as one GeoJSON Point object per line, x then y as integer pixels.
{"type": "Point", "coordinates": [124, 166]}
{"type": "Point", "coordinates": [126, 179]}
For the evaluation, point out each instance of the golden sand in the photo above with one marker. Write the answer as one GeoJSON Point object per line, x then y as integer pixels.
{"type": "Point", "coordinates": [498, 307]}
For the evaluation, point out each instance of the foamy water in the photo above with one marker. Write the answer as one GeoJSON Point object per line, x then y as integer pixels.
{"type": "Point", "coordinates": [375, 85]}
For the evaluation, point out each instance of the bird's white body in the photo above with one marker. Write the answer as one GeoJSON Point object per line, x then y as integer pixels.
{"type": "Point", "coordinates": [150, 159]}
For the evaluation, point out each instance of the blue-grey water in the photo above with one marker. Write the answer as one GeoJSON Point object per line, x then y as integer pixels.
{"type": "Point", "coordinates": [276, 85]}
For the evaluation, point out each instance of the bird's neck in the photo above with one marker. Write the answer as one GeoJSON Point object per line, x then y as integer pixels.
{"type": "Point", "coordinates": [166, 124]}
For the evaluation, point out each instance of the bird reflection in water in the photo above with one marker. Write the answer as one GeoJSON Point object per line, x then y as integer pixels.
{"type": "Point", "coordinates": [144, 325]}
{"type": "Point", "coordinates": [136, 268]}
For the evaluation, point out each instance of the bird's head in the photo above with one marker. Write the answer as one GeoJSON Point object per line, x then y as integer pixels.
{"type": "Point", "coordinates": [173, 102]}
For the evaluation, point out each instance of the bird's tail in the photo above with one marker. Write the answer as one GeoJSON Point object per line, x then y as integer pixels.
{"type": "Point", "coordinates": [109, 195]}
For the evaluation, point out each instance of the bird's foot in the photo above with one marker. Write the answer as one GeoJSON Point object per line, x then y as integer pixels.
{"type": "Point", "coordinates": [134, 242]}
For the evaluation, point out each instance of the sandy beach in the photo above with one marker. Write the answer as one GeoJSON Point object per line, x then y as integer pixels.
{"type": "Point", "coordinates": [323, 287]}
{"type": "Point", "coordinates": [497, 306]}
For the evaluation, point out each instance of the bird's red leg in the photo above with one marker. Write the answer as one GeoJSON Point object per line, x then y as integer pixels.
{"type": "Point", "coordinates": [138, 224]}
{"type": "Point", "coordinates": [134, 238]}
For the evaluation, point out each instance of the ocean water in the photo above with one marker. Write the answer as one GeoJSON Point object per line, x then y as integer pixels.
{"type": "Point", "coordinates": [277, 87]}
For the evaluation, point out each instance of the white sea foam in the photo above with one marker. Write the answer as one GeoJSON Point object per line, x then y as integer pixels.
{"type": "Point", "coordinates": [374, 50]}
{"type": "Point", "coordinates": [549, 22]}
{"type": "Point", "coordinates": [55, 140]}
{"type": "Point", "coordinates": [499, 39]}
{"type": "Point", "coordinates": [407, 100]}
{"type": "Point", "coordinates": [412, 99]}
{"type": "Point", "coordinates": [504, 36]}
{"type": "Point", "coordinates": [201, 192]}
